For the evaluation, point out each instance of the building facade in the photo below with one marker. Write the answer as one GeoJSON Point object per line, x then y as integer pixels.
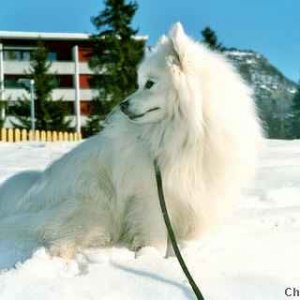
{"type": "Point", "coordinates": [69, 54]}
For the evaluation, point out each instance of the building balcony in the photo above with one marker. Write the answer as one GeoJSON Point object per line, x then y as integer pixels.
{"type": "Point", "coordinates": [85, 69]}
{"type": "Point", "coordinates": [16, 67]}
{"type": "Point", "coordinates": [57, 67]}
{"type": "Point", "coordinates": [88, 94]}
{"type": "Point", "coordinates": [65, 94]}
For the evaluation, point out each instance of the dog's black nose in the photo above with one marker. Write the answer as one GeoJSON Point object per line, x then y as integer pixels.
{"type": "Point", "coordinates": [124, 106]}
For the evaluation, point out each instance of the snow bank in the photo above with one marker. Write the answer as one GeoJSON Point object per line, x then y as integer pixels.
{"type": "Point", "coordinates": [254, 256]}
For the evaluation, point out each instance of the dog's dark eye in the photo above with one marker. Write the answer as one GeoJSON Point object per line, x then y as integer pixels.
{"type": "Point", "coordinates": [149, 84]}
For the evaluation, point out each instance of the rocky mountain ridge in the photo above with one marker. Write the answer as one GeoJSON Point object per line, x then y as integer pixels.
{"type": "Point", "coordinates": [273, 91]}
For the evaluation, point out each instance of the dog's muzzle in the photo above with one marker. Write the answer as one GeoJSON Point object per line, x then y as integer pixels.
{"type": "Point", "coordinates": [124, 106]}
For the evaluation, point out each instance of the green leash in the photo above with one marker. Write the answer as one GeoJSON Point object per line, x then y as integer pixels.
{"type": "Point", "coordinates": [171, 232]}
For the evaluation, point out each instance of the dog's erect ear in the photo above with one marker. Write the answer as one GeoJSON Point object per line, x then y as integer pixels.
{"type": "Point", "coordinates": [178, 41]}
{"type": "Point", "coordinates": [176, 31]}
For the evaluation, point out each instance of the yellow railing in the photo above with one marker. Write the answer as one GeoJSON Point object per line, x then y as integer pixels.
{"type": "Point", "coordinates": [14, 135]}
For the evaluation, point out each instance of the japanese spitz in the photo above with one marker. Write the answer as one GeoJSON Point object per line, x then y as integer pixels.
{"type": "Point", "coordinates": [193, 113]}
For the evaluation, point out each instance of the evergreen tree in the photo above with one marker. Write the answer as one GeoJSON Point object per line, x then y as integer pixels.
{"type": "Point", "coordinates": [49, 114]}
{"type": "Point", "coordinates": [211, 40]}
{"type": "Point", "coordinates": [115, 56]}
{"type": "Point", "coordinates": [295, 116]}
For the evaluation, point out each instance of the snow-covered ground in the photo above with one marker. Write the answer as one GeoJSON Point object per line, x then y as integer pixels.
{"type": "Point", "coordinates": [256, 255]}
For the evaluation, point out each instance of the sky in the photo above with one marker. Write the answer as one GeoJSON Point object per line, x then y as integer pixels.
{"type": "Point", "coordinates": [271, 27]}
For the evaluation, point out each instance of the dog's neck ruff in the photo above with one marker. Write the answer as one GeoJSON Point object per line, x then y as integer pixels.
{"type": "Point", "coordinates": [169, 140]}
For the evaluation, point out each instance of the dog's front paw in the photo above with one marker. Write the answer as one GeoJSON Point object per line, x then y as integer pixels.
{"type": "Point", "coordinates": [65, 250]}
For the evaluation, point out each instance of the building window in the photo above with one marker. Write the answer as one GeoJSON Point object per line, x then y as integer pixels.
{"type": "Point", "coordinates": [26, 55]}
{"type": "Point", "coordinates": [17, 55]}
{"type": "Point", "coordinates": [12, 81]}
{"type": "Point", "coordinates": [59, 81]}
{"type": "Point", "coordinates": [52, 56]}
{"type": "Point", "coordinates": [11, 55]}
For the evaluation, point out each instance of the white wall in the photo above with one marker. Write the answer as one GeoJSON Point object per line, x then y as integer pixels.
{"type": "Point", "coordinates": [66, 94]}
{"type": "Point", "coordinates": [62, 68]}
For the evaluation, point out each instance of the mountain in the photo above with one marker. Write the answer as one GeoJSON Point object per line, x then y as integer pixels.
{"type": "Point", "coordinates": [273, 91]}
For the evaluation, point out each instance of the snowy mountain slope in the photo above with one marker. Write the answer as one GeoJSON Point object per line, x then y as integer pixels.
{"type": "Point", "coordinates": [273, 91]}
{"type": "Point", "coordinates": [254, 256]}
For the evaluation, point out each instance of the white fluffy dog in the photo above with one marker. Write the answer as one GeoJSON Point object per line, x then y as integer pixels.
{"type": "Point", "coordinates": [193, 113]}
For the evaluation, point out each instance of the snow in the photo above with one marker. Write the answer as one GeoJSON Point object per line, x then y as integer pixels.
{"type": "Point", "coordinates": [254, 256]}
{"type": "Point", "coordinates": [239, 53]}
{"type": "Point", "coordinates": [250, 61]}
{"type": "Point", "coordinates": [292, 91]}
{"type": "Point", "coordinates": [263, 86]}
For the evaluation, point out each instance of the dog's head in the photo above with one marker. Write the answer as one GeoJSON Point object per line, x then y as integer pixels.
{"type": "Point", "coordinates": [159, 78]}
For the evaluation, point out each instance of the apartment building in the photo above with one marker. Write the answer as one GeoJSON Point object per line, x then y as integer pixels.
{"type": "Point", "coordinates": [69, 54]}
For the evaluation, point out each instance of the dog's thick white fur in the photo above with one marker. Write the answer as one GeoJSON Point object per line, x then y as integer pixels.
{"type": "Point", "coordinates": [192, 112]}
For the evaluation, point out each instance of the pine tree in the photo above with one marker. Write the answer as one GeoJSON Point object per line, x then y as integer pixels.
{"type": "Point", "coordinates": [114, 59]}
{"type": "Point", "coordinates": [211, 40]}
{"type": "Point", "coordinates": [49, 114]}
{"type": "Point", "coordinates": [295, 116]}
